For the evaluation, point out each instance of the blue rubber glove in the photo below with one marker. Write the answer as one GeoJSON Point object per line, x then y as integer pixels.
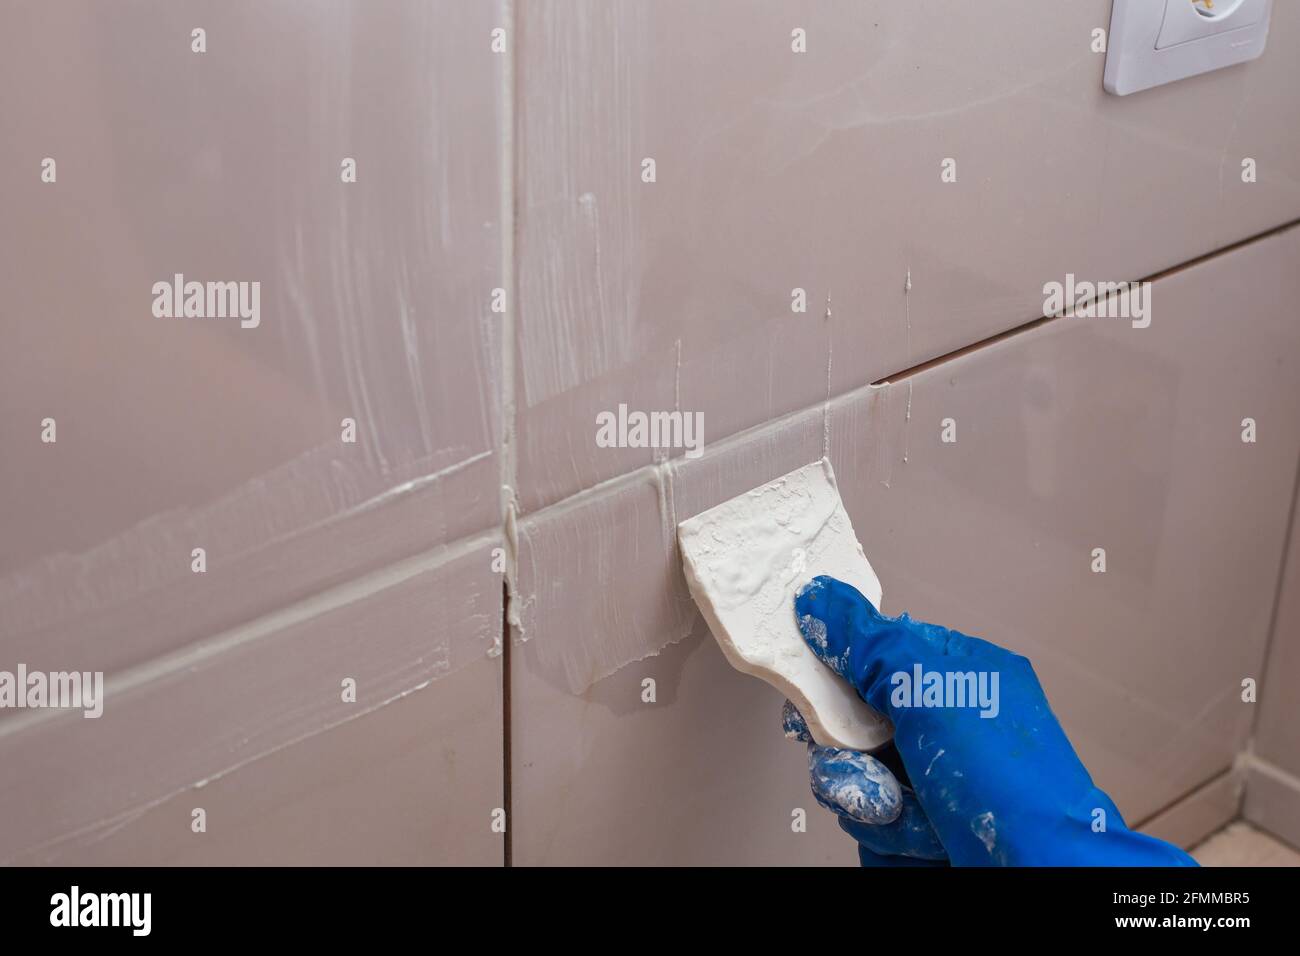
{"type": "Point", "coordinates": [873, 807]}
{"type": "Point", "coordinates": [992, 777]}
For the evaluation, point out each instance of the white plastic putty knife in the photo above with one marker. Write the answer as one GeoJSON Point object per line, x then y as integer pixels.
{"type": "Point", "coordinates": [745, 561]}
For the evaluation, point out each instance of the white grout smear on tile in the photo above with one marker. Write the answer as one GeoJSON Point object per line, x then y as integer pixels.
{"type": "Point", "coordinates": [907, 431]}
{"type": "Point", "coordinates": [601, 588]}
{"type": "Point", "coordinates": [64, 599]}
{"type": "Point", "coordinates": [663, 486]}
{"type": "Point", "coordinates": [907, 312]}
{"type": "Point", "coordinates": [601, 581]}
{"type": "Point", "coordinates": [663, 453]}
{"type": "Point", "coordinates": [826, 408]}
{"type": "Point", "coordinates": [251, 691]}
{"type": "Point", "coordinates": [511, 543]}
{"type": "Point", "coordinates": [886, 448]}
{"type": "Point", "coordinates": [580, 308]}
{"type": "Point", "coordinates": [504, 386]}
{"type": "Point", "coordinates": [677, 380]}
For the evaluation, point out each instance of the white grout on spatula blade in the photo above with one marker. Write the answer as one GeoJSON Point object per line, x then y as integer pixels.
{"type": "Point", "coordinates": [745, 561]}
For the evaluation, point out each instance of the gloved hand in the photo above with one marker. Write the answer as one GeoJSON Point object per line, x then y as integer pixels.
{"type": "Point", "coordinates": [874, 808]}
{"type": "Point", "coordinates": [991, 777]}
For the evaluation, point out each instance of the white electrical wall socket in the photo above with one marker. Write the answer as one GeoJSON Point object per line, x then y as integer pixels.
{"type": "Point", "coordinates": [1153, 42]}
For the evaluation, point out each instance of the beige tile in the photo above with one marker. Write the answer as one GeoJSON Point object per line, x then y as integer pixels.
{"type": "Point", "coordinates": [174, 433]}
{"type": "Point", "coordinates": [821, 171]}
{"type": "Point", "coordinates": [1075, 435]}
{"type": "Point", "coordinates": [253, 726]}
{"type": "Point", "coordinates": [414, 783]}
{"type": "Point", "coordinates": [700, 776]}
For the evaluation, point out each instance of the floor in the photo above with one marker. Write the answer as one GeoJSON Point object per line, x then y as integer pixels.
{"type": "Point", "coordinates": [1240, 844]}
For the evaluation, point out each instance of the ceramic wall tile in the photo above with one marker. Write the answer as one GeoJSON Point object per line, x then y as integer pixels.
{"type": "Point", "coordinates": [260, 729]}
{"type": "Point", "coordinates": [701, 775]}
{"type": "Point", "coordinates": [228, 434]}
{"type": "Point", "coordinates": [821, 171]}
{"type": "Point", "coordinates": [1074, 435]}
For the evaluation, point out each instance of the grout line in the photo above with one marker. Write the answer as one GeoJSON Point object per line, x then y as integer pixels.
{"type": "Point", "coordinates": [506, 782]}
{"type": "Point", "coordinates": [1032, 324]}
{"type": "Point", "coordinates": [1224, 250]}
{"type": "Point", "coordinates": [508, 162]}
{"type": "Point", "coordinates": [965, 350]}
{"type": "Point", "coordinates": [191, 655]}
{"type": "Point", "coordinates": [508, 214]}
{"type": "Point", "coordinates": [625, 478]}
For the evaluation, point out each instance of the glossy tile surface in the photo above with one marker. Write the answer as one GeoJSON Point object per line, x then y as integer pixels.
{"type": "Point", "coordinates": [325, 558]}
{"type": "Point", "coordinates": [821, 171]}
{"type": "Point", "coordinates": [259, 728]}
{"type": "Point", "coordinates": [700, 776]}
{"type": "Point", "coordinates": [183, 433]}
{"type": "Point", "coordinates": [1077, 434]}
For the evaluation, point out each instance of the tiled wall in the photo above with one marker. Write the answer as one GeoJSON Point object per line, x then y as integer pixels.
{"type": "Point", "coordinates": [822, 171]}
{"type": "Point", "coordinates": [1074, 435]}
{"type": "Point", "coordinates": [326, 560]}
{"type": "Point", "coordinates": [516, 162]}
